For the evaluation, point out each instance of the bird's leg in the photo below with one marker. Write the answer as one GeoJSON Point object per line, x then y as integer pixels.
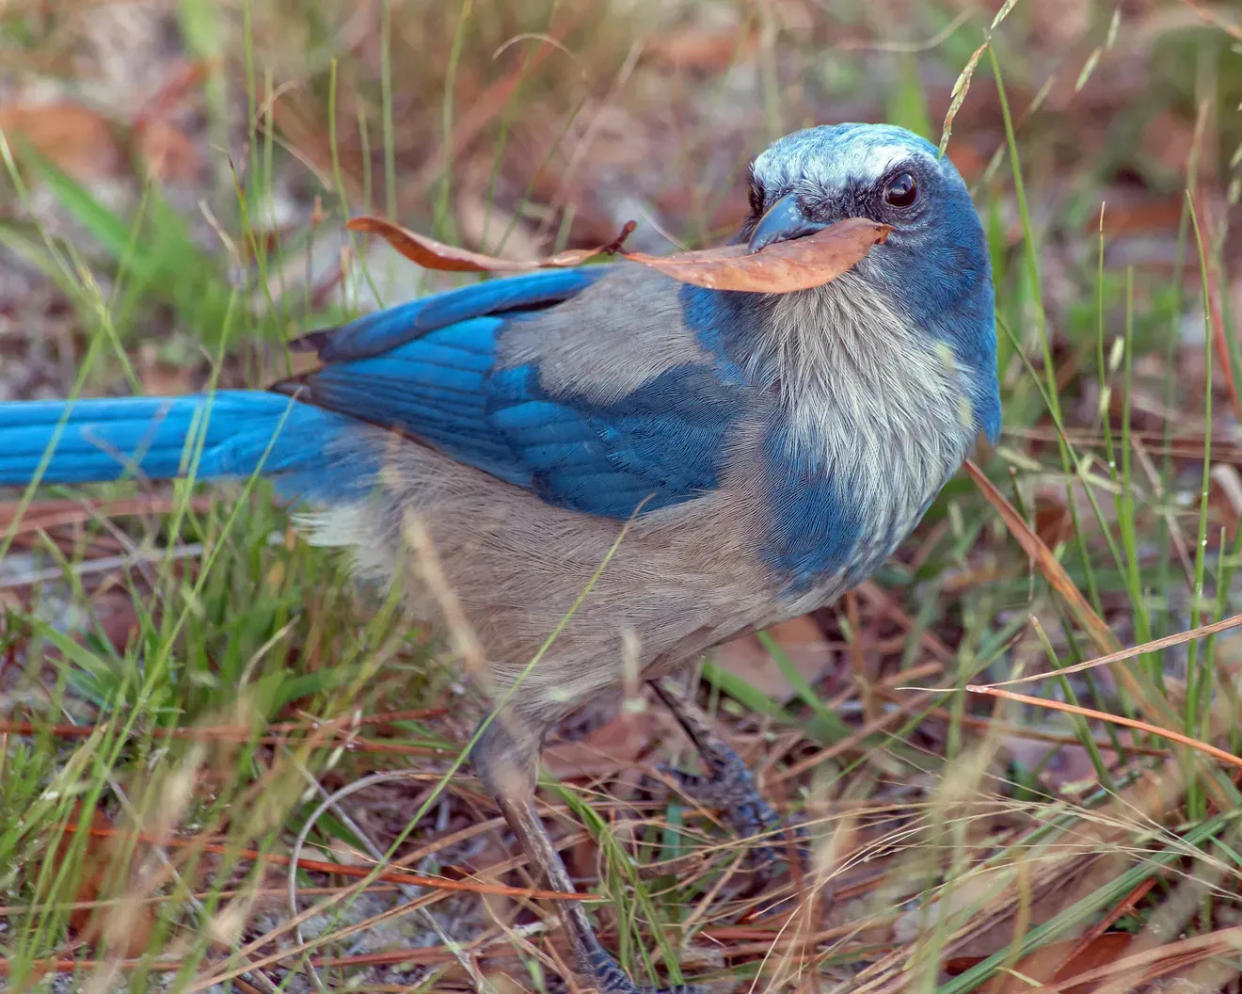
{"type": "Point", "coordinates": [728, 785]}
{"type": "Point", "coordinates": [506, 761]}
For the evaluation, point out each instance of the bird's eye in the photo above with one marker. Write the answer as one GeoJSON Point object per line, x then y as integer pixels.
{"type": "Point", "coordinates": [901, 191]}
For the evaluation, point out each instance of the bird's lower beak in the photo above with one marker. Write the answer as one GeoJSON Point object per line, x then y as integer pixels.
{"type": "Point", "coordinates": [781, 222]}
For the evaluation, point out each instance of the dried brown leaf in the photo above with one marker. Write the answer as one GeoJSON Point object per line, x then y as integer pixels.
{"type": "Point", "coordinates": [1051, 963]}
{"type": "Point", "coordinates": [613, 747]}
{"type": "Point", "coordinates": [79, 140]}
{"type": "Point", "coordinates": [811, 654]}
{"type": "Point", "coordinates": [1115, 719]}
{"type": "Point", "coordinates": [97, 863]}
{"type": "Point", "coordinates": [797, 264]}
{"type": "Point", "coordinates": [432, 254]}
{"type": "Point", "coordinates": [694, 48]}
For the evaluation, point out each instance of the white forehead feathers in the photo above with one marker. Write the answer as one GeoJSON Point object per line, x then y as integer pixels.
{"type": "Point", "coordinates": [832, 157]}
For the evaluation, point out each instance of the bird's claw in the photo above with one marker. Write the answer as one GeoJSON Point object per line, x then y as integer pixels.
{"type": "Point", "coordinates": [731, 789]}
{"type": "Point", "coordinates": [609, 978]}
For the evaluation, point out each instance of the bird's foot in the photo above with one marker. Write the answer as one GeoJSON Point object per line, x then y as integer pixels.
{"type": "Point", "coordinates": [731, 788]}
{"type": "Point", "coordinates": [609, 978]}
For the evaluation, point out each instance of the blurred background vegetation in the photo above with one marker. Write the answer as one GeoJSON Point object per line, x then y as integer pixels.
{"type": "Point", "coordinates": [190, 696]}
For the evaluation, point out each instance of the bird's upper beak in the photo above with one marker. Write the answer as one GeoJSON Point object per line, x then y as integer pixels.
{"type": "Point", "coordinates": [781, 222]}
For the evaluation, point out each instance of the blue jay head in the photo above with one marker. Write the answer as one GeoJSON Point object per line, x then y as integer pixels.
{"type": "Point", "coordinates": [934, 265]}
{"type": "Point", "coordinates": [812, 178]}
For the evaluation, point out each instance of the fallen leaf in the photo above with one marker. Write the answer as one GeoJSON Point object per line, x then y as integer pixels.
{"type": "Point", "coordinates": [1051, 963]}
{"type": "Point", "coordinates": [797, 264]}
{"type": "Point", "coordinates": [1054, 522]}
{"type": "Point", "coordinates": [432, 254]}
{"type": "Point", "coordinates": [611, 748]}
{"type": "Point", "coordinates": [693, 49]}
{"type": "Point", "coordinates": [90, 924]}
{"type": "Point", "coordinates": [116, 614]}
{"type": "Point", "coordinates": [811, 654]}
{"type": "Point", "coordinates": [76, 138]}
{"type": "Point", "coordinates": [168, 152]}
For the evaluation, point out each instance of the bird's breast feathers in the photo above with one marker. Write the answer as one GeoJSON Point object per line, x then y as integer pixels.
{"type": "Point", "coordinates": [874, 417]}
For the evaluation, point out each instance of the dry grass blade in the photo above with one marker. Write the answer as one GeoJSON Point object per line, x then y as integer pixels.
{"type": "Point", "coordinates": [961, 85]}
{"type": "Point", "coordinates": [1045, 561]}
{"type": "Point", "coordinates": [47, 514]}
{"type": "Point", "coordinates": [426, 956]}
{"type": "Point", "coordinates": [1155, 645]}
{"type": "Point", "coordinates": [1051, 963]}
{"type": "Point", "coordinates": [339, 869]}
{"type": "Point", "coordinates": [1215, 315]}
{"type": "Point", "coordinates": [1209, 16]}
{"type": "Point", "coordinates": [1154, 963]}
{"type": "Point", "coordinates": [797, 264]}
{"type": "Point", "coordinates": [1147, 700]}
{"type": "Point", "coordinates": [335, 739]}
{"type": "Point", "coordinates": [432, 254]}
{"type": "Point", "coordinates": [71, 965]}
{"type": "Point", "coordinates": [1116, 719]}
{"type": "Point", "coordinates": [1124, 907]}
{"type": "Point", "coordinates": [233, 733]}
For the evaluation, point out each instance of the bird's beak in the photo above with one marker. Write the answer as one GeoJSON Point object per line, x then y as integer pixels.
{"type": "Point", "coordinates": [781, 222]}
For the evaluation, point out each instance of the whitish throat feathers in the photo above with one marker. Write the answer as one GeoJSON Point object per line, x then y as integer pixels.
{"type": "Point", "coordinates": [876, 417]}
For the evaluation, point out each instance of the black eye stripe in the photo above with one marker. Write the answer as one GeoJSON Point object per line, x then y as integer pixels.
{"type": "Point", "coordinates": [756, 193]}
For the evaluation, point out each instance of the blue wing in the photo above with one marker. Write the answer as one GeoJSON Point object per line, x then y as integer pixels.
{"type": "Point", "coordinates": [432, 370]}
{"type": "Point", "coordinates": [374, 334]}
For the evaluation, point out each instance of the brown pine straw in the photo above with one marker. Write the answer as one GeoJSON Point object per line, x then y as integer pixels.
{"type": "Point", "coordinates": [306, 723]}
{"type": "Point", "coordinates": [44, 514]}
{"type": "Point", "coordinates": [1155, 645]}
{"type": "Point", "coordinates": [1116, 719]}
{"type": "Point", "coordinates": [322, 866]}
{"type": "Point", "coordinates": [337, 732]}
{"type": "Point", "coordinates": [1157, 962]}
{"type": "Point", "coordinates": [1041, 556]}
{"type": "Point", "coordinates": [1037, 549]}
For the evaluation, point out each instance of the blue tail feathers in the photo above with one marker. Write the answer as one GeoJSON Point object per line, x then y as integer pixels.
{"type": "Point", "coordinates": [231, 433]}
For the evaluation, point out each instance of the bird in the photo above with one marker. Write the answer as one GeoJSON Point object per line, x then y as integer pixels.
{"type": "Point", "coordinates": [703, 462]}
